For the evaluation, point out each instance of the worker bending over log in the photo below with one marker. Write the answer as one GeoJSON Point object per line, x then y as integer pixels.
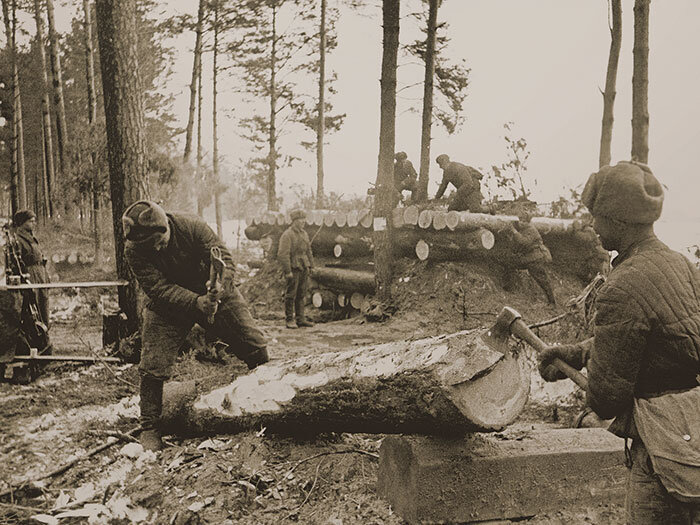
{"type": "Point", "coordinates": [530, 254]}
{"type": "Point", "coordinates": [466, 179]}
{"type": "Point", "coordinates": [644, 359]}
{"type": "Point", "coordinates": [405, 177]}
{"type": "Point", "coordinates": [170, 255]}
{"type": "Point", "coordinates": [297, 260]}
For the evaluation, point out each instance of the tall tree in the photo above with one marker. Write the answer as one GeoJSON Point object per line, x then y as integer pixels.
{"type": "Point", "coordinates": [383, 252]}
{"type": "Point", "coordinates": [59, 103]}
{"type": "Point", "coordinates": [640, 82]}
{"type": "Point", "coordinates": [272, 152]}
{"type": "Point", "coordinates": [196, 73]}
{"type": "Point", "coordinates": [199, 171]}
{"type": "Point", "coordinates": [427, 117]}
{"type": "Point", "coordinates": [92, 116]}
{"type": "Point", "coordinates": [610, 82]}
{"type": "Point", "coordinates": [124, 114]}
{"type": "Point", "coordinates": [215, 138]}
{"type": "Point", "coordinates": [45, 111]}
{"type": "Point", "coordinates": [321, 127]}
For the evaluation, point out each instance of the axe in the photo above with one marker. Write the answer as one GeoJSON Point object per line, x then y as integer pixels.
{"type": "Point", "coordinates": [509, 322]}
{"type": "Point", "coordinates": [216, 270]}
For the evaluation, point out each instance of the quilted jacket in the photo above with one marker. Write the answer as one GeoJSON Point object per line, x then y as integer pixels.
{"type": "Point", "coordinates": [528, 245]}
{"type": "Point", "coordinates": [646, 331]}
{"type": "Point", "coordinates": [459, 174]}
{"type": "Point", "coordinates": [174, 277]}
{"type": "Point", "coordinates": [294, 250]}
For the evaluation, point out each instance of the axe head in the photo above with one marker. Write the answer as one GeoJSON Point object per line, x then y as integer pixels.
{"type": "Point", "coordinates": [497, 336]}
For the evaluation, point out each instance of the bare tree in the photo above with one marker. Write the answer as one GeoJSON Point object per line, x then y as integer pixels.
{"type": "Point", "coordinates": [124, 118]}
{"type": "Point", "coordinates": [196, 72]}
{"type": "Point", "coordinates": [215, 138]}
{"type": "Point", "coordinates": [321, 128]}
{"type": "Point", "coordinates": [427, 117]}
{"type": "Point", "coordinates": [199, 173]}
{"type": "Point", "coordinates": [610, 82]}
{"type": "Point", "coordinates": [272, 152]}
{"type": "Point", "coordinates": [59, 104]}
{"type": "Point", "coordinates": [383, 252]}
{"type": "Point", "coordinates": [640, 83]}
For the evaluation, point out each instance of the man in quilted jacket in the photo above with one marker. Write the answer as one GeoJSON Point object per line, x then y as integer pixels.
{"type": "Point", "coordinates": [466, 179]}
{"type": "Point", "coordinates": [170, 256]}
{"type": "Point", "coordinates": [646, 330]}
{"type": "Point", "coordinates": [297, 260]}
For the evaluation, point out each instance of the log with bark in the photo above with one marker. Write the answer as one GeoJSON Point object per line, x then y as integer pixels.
{"type": "Point", "coordinates": [324, 299]}
{"type": "Point", "coordinates": [445, 385]}
{"type": "Point", "coordinates": [347, 246]}
{"type": "Point", "coordinates": [344, 280]}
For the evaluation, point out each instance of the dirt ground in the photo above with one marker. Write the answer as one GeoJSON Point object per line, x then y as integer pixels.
{"type": "Point", "coordinates": [254, 477]}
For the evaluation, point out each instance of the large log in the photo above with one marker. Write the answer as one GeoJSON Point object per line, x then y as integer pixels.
{"type": "Point", "coordinates": [346, 246]}
{"type": "Point", "coordinates": [446, 248]}
{"type": "Point", "coordinates": [324, 299]}
{"type": "Point", "coordinates": [546, 225]}
{"type": "Point", "coordinates": [446, 385]}
{"type": "Point", "coordinates": [344, 280]}
{"type": "Point", "coordinates": [471, 221]}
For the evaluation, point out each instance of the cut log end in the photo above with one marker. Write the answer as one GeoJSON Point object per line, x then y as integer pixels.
{"type": "Point", "coordinates": [422, 250]}
{"type": "Point", "coordinates": [337, 251]}
{"type": "Point", "coordinates": [323, 299]}
{"type": "Point", "coordinates": [356, 300]}
{"type": "Point", "coordinates": [425, 219]}
{"type": "Point", "coordinates": [439, 220]}
{"type": "Point", "coordinates": [410, 215]}
{"type": "Point", "coordinates": [352, 218]}
{"type": "Point", "coordinates": [342, 300]}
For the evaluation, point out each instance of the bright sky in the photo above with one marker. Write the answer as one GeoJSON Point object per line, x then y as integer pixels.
{"type": "Point", "coordinates": [539, 63]}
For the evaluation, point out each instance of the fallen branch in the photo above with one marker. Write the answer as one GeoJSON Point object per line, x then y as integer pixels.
{"type": "Point", "coordinates": [328, 453]}
{"type": "Point", "coordinates": [308, 494]}
{"type": "Point", "coordinates": [548, 321]}
{"type": "Point", "coordinates": [21, 507]}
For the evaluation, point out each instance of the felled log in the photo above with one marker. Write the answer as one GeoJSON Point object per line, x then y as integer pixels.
{"type": "Point", "coordinates": [356, 300]}
{"type": "Point", "coordinates": [344, 280]}
{"type": "Point", "coordinates": [439, 220]}
{"type": "Point", "coordinates": [329, 219]}
{"type": "Point", "coordinates": [425, 219]}
{"type": "Point", "coordinates": [410, 215]}
{"type": "Point", "coordinates": [255, 232]}
{"type": "Point", "coordinates": [446, 385]}
{"type": "Point", "coordinates": [546, 225]}
{"type": "Point", "coordinates": [352, 246]}
{"type": "Point", "coordinates": [452, 248]}
{"type": "Point", "coordinates": [366, 218]}
{"type": "Point", "coordinates": [342, 300]}
{"type": "Point", "coordinates": [324, 299]}
{"type": "Point", "coordinates": [340, 219]}
{"type": "Point", "coordinates": [465, 220]}
{"type": "Point", "coordinates": [353, 218]}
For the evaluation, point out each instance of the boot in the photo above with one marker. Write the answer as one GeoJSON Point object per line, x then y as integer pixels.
{"type": "Point", "coordinates": [151, 408]}
{"type": "Point", "coordinates": [258, 357]}
{"type": "Point", "coordinates": [304, 323]}
{"type": "Point", "coordinates": [291, 323]}
{"type": "Point", "coordinates": [289, 313]}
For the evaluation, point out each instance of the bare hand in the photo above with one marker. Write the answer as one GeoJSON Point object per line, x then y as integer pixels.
{"type": "Point", "coordinates": [206, 305]}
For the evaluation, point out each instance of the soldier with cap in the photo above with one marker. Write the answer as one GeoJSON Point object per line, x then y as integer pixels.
{"type": "Point", "coordinates": [466, 179]}
{"type": "Point", "coordinates": [645, 351]}
{"type": "Point", "coordinates": [297, 260]}
{"type": "Point", "coordinates": [405, 176]}
{"type": "Point", "coordinates": [170, 256]}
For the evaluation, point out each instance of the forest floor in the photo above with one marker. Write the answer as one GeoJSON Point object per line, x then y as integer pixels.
{"type": "Point", "coordinates": [252, 477]}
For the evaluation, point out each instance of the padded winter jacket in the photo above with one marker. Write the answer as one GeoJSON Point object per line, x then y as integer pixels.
{"type": "Point", "coordinates": [459, 174]}
{"type": "Point", "coordinates": [174, 277]}
{"type": "Point", "coordinates": [294, 250]}
{"type": "Point", "coordinates": [646, 331]}
{"type": "Point", "coordinates": [528, 245]}
{"type": "Point", "coordinates": [30, 253]}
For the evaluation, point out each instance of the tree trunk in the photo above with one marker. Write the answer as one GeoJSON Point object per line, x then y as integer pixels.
{"type": "Point", "coordinates": [610, 82]}
{"type": "Point", "coordinates": [640, 83]}
{"type": "Point", "coordinates": [92, 112]}
{"type": "Point", "coordinates": [344, 280]}
{"type": "Point", "coordinates": [10, 29]}
{"type": "Point", "coordinates": [59, 104]}
{"type": "Point", "coordinates": [383, 250]}
{"type": "Point", "coordinates": [46, 111]}
{"type": "Point", "coordinates": [200, 175]}
{"type": "Point", "coordinates": [18, 126]}
{"type": "Point", "coordinates": [446, 385]}
{"type": "Point", "coordinates": [272, 154]}
{"type": "Point", "coordinates": [321, 129]}
{"type": "Point", "coordinates": [196, 67]}
{"type": "Point", "coordinates": [121, 81]}
{"type": "Point", "coordinates": [215, 139]}
{"type": "Point", "coordinates": [427, 119]}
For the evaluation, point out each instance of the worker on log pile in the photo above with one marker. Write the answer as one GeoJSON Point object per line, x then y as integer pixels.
{"type": "Point", "coordinates": [295, 255]}
{"type": "Point", "coordinates": [466, 179]}
{"type": "Point", "coordinates": [170, 255]}
{"type": "Point", "coordinates": [530, 253]}
{"type": "Point", "coordinates": [643, 361]}
{"type": "Point", "coordinates": [405, 176]}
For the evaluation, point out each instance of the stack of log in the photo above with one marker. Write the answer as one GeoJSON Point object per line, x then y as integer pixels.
{"type": "Point", "coordinates": [426, 234]}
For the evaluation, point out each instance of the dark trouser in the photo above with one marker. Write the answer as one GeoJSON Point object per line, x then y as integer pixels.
{"type": "Point", "coordinates": [539, 273]}
{"type": "Point", "coordinates": [648, 502]}
{"type": "Point", "coordinates": [467, 199]}
{"type": "Point", "coordinates": [163, 337]}
{"type": "Point", "coordinates": [295, 294]}
{"type": "Point", "coordinates": [38, 274]}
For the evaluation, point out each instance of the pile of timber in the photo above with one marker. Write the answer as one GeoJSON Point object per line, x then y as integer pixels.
{"type": "Point", "coordinates": [438, 235]}
{"type": "Point", "coordinates": [340, 288]}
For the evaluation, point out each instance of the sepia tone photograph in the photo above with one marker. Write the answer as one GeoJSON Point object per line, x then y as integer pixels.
{"type": "Point", "coordinates": [339, 262]}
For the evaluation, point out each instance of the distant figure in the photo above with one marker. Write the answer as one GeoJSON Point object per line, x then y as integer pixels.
{"type": "Point", "coordinates": [294, 254]}
{"type": "Point", "coordinates": [466, 179]}
{"type": "Point", "coordinates": [530, 254]}
{"type": "Point", "coordinates": [405, 176]}
{"type": "Point", "coordinates": [32, 259]}
{"type": "Point", "coordinates": [170, 255]}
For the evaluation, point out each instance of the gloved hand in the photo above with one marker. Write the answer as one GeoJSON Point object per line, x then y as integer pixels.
{"type": "Point", "coordinates": [206, 305]}
{"type": "Point", "coordinates": [575, 355]}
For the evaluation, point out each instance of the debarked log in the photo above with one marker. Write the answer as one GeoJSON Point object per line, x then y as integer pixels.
{"type": "Point", "coordinates": [445, 385]}
{"type": "Point", "coordinates": [344, 280]}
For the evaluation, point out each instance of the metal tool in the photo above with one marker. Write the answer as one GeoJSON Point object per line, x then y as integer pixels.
{"type": "Point", "coordinates": [216, 271]}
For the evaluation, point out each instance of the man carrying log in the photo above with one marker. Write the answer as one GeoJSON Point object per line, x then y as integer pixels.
{"type": "Point", "coordinates": [297, 260]}
{"type": "Point", "coordinates": [405, 176]}
{"type": "Point", "coordinates": [644, 359]}
{"type": "Point", "coordinates": [170, 255]}
{"type": "Point", "coordinates": [466, 179]}
{"type": "Point", "coordinates": [530, 254]}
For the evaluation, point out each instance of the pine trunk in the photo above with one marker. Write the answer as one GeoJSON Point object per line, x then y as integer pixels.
{"type": "Point", "coordinates": [427, 120]}
{"type": "Point", "coordinates": [383, 250]}
{"type": "Point", "coordinates": [215, 159]}
{"type": "Point", "coordinates": [59, 103]}
{"type": "Point", "coordinates": [18, 126]}
{"type": "Point", "coordinates": [126, 147]}
{"type": "Point", "coordinates": [196, 67]}
{"type": "Point", "coordinates": [321, 130]}
{"type": "Point", "coordinates": [10, 28]}
{"type": "Point", "coordinates": [446, 385]}
{"type": "Point", "coordinates": [272, 154]}
{"type": "Point", "coordinates": [640, 83]}
{"type": "Point", "coordinates": [199, 174]}
{"type": "Point", "coordinates": [610, 82]}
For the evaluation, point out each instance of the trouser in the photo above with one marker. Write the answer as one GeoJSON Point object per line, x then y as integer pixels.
{"type": "Point", "coordinates": [295, 294]}
{"type": "Point", "coordinates": [467, 198]}
{"type": "Point", "coordinates": [648, 502]}
{"type": "Point", "coordinates": [539, 273]}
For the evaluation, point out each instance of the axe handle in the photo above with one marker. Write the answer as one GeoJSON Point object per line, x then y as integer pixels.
{"type": "Point", "coordinates": [521, 330]}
